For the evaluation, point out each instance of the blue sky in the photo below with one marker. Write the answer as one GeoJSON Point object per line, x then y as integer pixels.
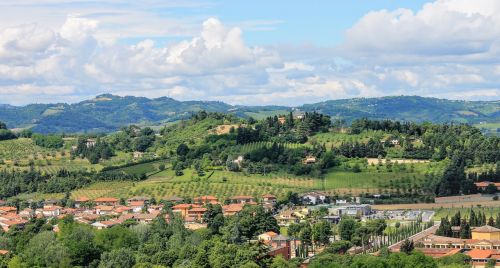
{"type": "Point", "coordinates": [248, 52]}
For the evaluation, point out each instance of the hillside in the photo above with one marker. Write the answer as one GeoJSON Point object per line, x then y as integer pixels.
{"type": "Point", "coordinates": [410, 108]}
{"type": "Point", "coordinates": [106, 113]}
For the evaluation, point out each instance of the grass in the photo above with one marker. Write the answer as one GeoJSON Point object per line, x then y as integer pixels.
{"type": "Point", "coordinates": [465, 211]}
{"type": "Point", "coordinates": [336, 138]}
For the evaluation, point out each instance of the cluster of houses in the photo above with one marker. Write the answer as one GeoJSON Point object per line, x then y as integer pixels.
{"type": "Point", "coordinates": [483, 246]}
{"type": "Point", "coordinates": [105, 212]}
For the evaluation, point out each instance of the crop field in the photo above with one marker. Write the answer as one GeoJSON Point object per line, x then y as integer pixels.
{"type": "Point", "coordinates": [257, 145]}
{"type": "Point", "coordinates": [336, 138]}
{"type": "Point", "coordinates": [144, 168]}
{"type": "Point", "coordinates": [465, 211]}
{"type": "Point", "coordinates": [220, 183]}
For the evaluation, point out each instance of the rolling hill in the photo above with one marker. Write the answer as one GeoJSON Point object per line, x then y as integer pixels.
{"type": "Point", "coordinates": [107, 113]}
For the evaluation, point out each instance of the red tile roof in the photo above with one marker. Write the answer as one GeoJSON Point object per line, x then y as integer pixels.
{"type": "Point", "coordinates": [479, 253]}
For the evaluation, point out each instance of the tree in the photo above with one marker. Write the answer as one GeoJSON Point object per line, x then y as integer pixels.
{"type": "Point", "coordinates": [347, 228]}
{"type": "Point", "coordinates": [182, 149]}
{"type": "Point", "coordinates": [321, 232]}
{"type": "Point", "coordinates": [44, 251]}
{"type": "Point", "coordinates": [118, 258]}
{"type": "Point", "coordinates": [280, 262]}
{"type": "Point", "coordinates": [465, 231]}
{"type": "Point", "coordinates": [339, 247]}
{"type": "Point", "coordinates": [407, 246]}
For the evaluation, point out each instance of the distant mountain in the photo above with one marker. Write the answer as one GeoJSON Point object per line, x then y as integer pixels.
{"type": "Point", "coordinates": [410, 108]}
{"type": "Point", "coordinates": [106, 113]}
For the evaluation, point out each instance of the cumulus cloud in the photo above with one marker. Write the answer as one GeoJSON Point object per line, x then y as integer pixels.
{"type": "Point", "coordinates": [446, 49]}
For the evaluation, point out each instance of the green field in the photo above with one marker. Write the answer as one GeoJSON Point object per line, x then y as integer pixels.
{"type": "Point", "coordinates": [443, 212]}
{"type": "Point", "coordinates": [18, 153]}
{"type": "Point", "coordinates": [336, 138]}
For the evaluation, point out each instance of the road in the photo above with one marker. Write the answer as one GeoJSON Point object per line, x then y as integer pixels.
{"type": "Point", "coordinates": [415, 237]}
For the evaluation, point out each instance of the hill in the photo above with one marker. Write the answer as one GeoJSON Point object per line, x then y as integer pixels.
{"type": "Point", "coordinates": [106, 113]}
{"type": "Point", "coordinates": [410, 108]}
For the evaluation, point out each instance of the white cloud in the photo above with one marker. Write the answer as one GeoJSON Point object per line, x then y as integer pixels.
{"type": "Point", "coordinates": [449, 48]}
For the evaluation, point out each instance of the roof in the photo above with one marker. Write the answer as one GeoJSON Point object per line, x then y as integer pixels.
{"type": "Point", "coordinates": [479, 253]}
{"type": "Point", "coordinates": [136, 203]}
{"type": "Point", "coordinates": [8, 209]}
{"type": "Point", "coordinates": [270, 233]}
{"type": "Point", "coordinates": [197, 210]}
{"type": "Point", "coordinates": [3, 251]}
{"type": "Point", "coordinates": [485, 229]}
{"type": "Point", "coordinates": [185, 206]}
{"type": "Point", "coordinates": [104, 207]}
{"type": "Point", "coordinates": [241, 197]}
{"type": "Point", "coordinates": [106, 199]}
{"type": "Point", "coordinates": [486, 183]}
{"type": "Point", "coordinates": [82, 199]}
{"type": "Point", "coordinates": [268, 196]}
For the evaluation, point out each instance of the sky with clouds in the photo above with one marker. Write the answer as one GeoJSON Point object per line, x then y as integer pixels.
{"type": "Point", "coordinates": [248, 52]}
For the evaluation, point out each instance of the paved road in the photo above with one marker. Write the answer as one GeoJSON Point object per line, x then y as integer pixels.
{"type": "Point", "coordinates": [415, 237]}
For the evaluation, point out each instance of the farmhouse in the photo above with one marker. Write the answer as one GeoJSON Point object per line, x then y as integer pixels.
{"type": "Point", "coordinates": [313, 198]}
{"type": "Point", "coordinates": [310, 160]}
{"type": "Point", "coordinates": [231, 209]}
{"type": "Point", "coordinates": [90, 143]}
{"type": "Point", "coordinates": [80, 200]}
{"type": "Point", "coordinates": [269, 199]}
{"type": "Point", "coordinates": [281, 119]}
{"type": "Point", "coordinates": [138, 155]}
{"type": "Point", "coordinates": [484, 184]}
{"type": "Point", "coordinates": [183, 208]}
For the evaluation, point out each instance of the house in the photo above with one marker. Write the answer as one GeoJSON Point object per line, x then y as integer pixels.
{"type": "Point", "coordinates": [27, 213]}
{"type": "Point", "coordinates": [280, 245]}
{"type": "Point", "coordinates": [282, 120]}
{"type": "Point", "coordinates": [480, 257]}
{"type": "Point", "coordinates": [355, 210]}
{"type": "Point", "coordinates": [107, 201]}
{"type": "Point", "coordinates": [196, 213]}
{"type": "Point", "coordinates": [484, 184]}
{"type": "Point", "coordinates": [486, 232]}
{"type": "Point", "coordinates": [90, 143]}
{"type": "Point", "coordinates": [285, 218]}
{"type": "Point", "coordinates": [394, 142]}
{"type": "Point", "coordinates": [231, 209]}
{"type": "Point", "coordinates": [310, 160]}
{"type": "Point", "coordinates": [269, 198]}
{"type": "Point", "coordinates": [8, 224]}
{"type": "Point", "coordinates": [313, 198]}
{"type": "Point", "coordinates": [51, 211]}
{"type": "Point", "coordinates": [7, 210]}
{"type": "Point", "coordinates": [241, 199]}
{"type": "Point", "coordinates": [206, 199]}
{"type": "Point", "coordinates": [80, 200]}
{"type": "Point", "coordinates": [267, 236]}
{"type": "Point", "coordinates": [123, 210]}
{"type": "Point", "coordinates": [104, 210]}
{"type": "Point", "coordinates": [138, 155]}
{"type": "Point", "coordinates": [238, 160]}
{"type": "Point", "coordinates": [137, 206]}
{"type": "Point", "coordinates": [183, 208]}
{"type": "Point", "coordinates": [51, 202]}
{"type": "Point", "coordinates": [104, 224]}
